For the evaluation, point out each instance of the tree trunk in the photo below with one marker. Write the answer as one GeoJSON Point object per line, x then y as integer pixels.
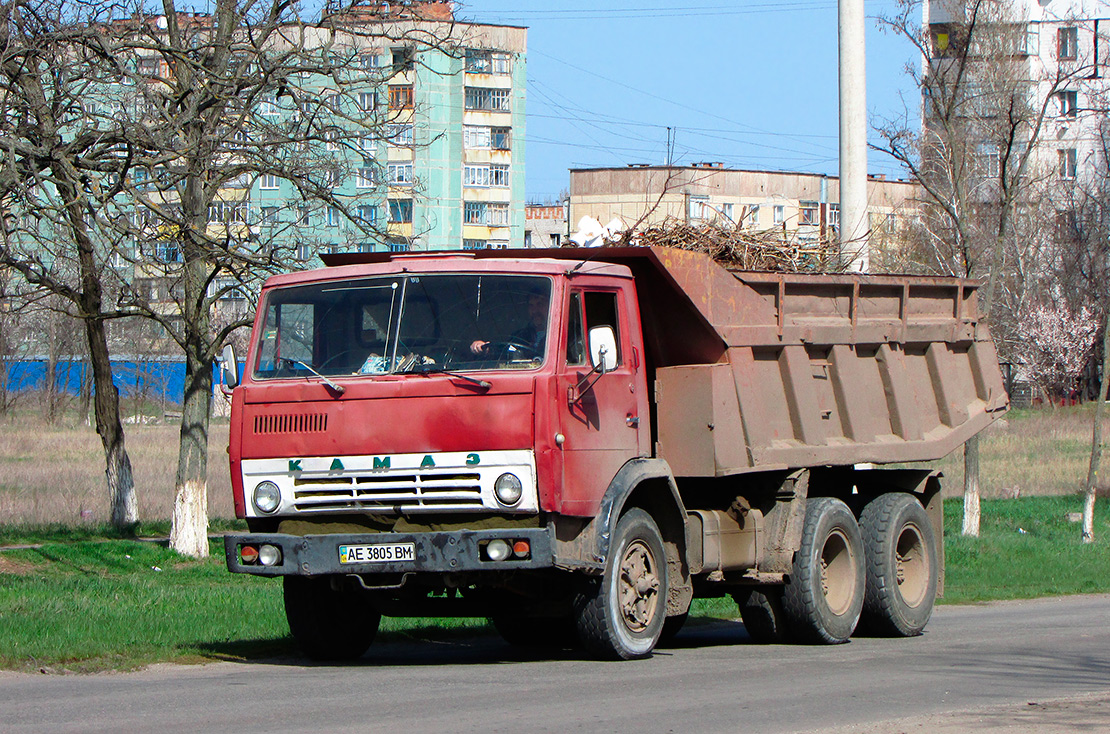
{"type": "Point", "coordinates": [971, 487]}
{"type": "Point", "coordinates": [1096, 438]}
{"type": "Point", "coordinates": [189, 532]}
{"type": "Point", "coordinates": [121, 485]}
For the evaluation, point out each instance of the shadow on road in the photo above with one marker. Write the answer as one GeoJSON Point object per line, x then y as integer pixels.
{"type": "Point", "coordinates": [433, 645]}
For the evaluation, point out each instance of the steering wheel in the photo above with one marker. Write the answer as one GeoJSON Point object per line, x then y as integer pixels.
{"type": "Point", "coordinates": [504, 349]}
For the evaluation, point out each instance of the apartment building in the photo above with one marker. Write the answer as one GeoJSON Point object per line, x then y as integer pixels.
{"type": "Point", "coordinates": [1055, 54]}
{"type": "Point", "coordinates": [805, 206]}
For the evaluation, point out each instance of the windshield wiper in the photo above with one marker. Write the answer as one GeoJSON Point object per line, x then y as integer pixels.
{"type": "Point", "coordinates": [338, 388]}
{"type": "Point", "coordinates": [430, 369]}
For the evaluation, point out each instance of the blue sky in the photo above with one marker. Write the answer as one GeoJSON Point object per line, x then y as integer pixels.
{"type": "Point", "coordinates": [750, 84]}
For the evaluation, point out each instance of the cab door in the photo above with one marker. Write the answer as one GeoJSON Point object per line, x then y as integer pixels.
{"type": "Point", "coordinates": [598, 414]}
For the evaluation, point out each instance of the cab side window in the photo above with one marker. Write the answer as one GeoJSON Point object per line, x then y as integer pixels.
{"type": "Point", "coordinates": [576, 336]}
{"type": "Point", "coordinates": [601, 310]}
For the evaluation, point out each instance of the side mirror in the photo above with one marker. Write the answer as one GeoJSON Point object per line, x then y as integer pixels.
{"type": "Point", "coordinates": [603, 349]}
{"type": "Point", "coordinates": [229, 366]}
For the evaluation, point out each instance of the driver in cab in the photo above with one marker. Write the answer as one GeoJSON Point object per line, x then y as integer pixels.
{"type": "Point", "coordinates": [531, 336]}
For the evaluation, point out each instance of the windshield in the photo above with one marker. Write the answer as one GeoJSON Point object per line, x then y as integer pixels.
{"type": "Point", "coordinates": [405, 324]}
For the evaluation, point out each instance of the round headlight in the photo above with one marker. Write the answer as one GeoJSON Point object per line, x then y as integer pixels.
{"type": "Point", "coordinates": [269, 555]}
{"type": "Point", "coordinates": [267, 497]}
{"type": "Point", "coordinates": [508, 489]}
{"type": "Point", "coordinates": [498, 550]}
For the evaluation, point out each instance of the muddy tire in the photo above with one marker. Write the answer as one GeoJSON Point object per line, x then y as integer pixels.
{"type": "Point", "coordinates": [901, 553]}
{"type": "Point", "coordinates": [824, 596]}
{"type": "Point", "coordinates": [763, 616]}
{"type": "Point", "coordinates": [329, 624]}
{"type": "Point", "coordinates": [620, 616]}
{"type": "Point", "coordinates": [539, 633]}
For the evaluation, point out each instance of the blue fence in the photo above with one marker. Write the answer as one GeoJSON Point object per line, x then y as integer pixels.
{"type": "Point", "coordinates": [155, 379]}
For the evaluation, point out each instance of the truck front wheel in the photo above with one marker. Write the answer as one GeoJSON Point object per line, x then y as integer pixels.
{"type": "Point", "coordinates": [621, 616]}
{"type": "Point", "coordinates": [824, 596]}
{"type": "Point", "coordinates": [329, 623]}
{"type": "Point", "coordinates": [902, 565]}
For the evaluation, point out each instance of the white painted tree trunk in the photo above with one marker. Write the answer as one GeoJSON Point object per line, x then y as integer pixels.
{"type": "Point", "coordinates": [1096, 438]}
{"type": "Point", "coordinates": [189, 530]}
{"type": "Point", "coordinates": [971, 487]}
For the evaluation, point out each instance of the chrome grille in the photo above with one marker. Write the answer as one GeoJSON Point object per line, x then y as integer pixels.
{"type": "Point", "coordinates": [388, 492]}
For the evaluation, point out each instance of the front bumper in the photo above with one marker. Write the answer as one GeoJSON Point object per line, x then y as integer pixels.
{"type": "Point", "coordinates": [435, 552]}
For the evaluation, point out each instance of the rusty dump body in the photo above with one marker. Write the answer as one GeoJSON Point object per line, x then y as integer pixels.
{"type": "Point", "coordinates": [761, 371]}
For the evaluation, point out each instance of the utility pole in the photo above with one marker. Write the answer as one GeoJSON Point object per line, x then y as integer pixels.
{"type": "Point", "coordinates": [853, 134]}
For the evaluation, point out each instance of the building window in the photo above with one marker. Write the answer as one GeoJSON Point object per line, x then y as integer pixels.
{"type": "Point", "coordinates": [697, 207]}
{"type": "Point", "coordinates": [834, 215]}
{"type": "Point", "coordinates": [400, 211]}
{"type": "Point", "coordinates": [499, 175]}
{"type": "Point", "coordinates": [808, 213]}
{"type": "Point", "coordinates": [752, 215]}
{"type": "Point", "coordinates": [370, 60]}
{"type": "Point", "coordinates": [726, 210]}
{"type": "Point", "coordinates": [364, 178]}
{"type": "Point", "coordinates": [167, 252]}
{"type": "Point", "coordinates": [400, 174]}
{"type": "Point", "coordinates": [366, 143]}
{"type": "Point", "coordinates": [476, 175]}
{"type": "Point", "coordinates": [269, 215]}
{"type": "Point", "coordinates": [333, 216]}
{"type": "Point", "coordinates": [1069, 162]}
{"type": "Point", "coordinates": [475, 244]}
{"type": "Point", "coordinates": [400, 97]}
{"type": "Point", "coordinates": [497, 215]}
{"type": "Point", "coordinates": [988, 159]}
{"type": "Point", "coordinates": [399, 134]}
{"type": "Point", "coordinates": [1068, 103]}
{"type": "Point", "coordinates": [269, 182]}
{"type": "Point", "coordinates": [500, 138]}
{"type": "Point", "coordinates": [367, 213]}
{"type": "Point", "coordinates": [304, 216]}
{"type": "Point", "coordinates": [269, 106]}
{"type": "Point", "coordinates": [482, 61]}
{"type": "Point", "coordinates": [476, 137]}
{"type": "Point", "coordinates": [474, 212]}
{"type": "Point", "coordinates": [1067, 43]}
{"type": "Point", "coordinates": [228, 212]}
{"type": "Point", "coordinates": [779, 214]}
{"type": "Point", "coordinates": [333, 177]}
{"type": "Point", "coordinates": [367, 101]}
{"type": "Point", "coordinates": [479, 61]}
{"type": "Point", "coordinates": [403, 58]}
{"type": "Point", "coordinates": [333, 102]}
{"type": "Point", "coordinates": [487, 99]}
{"type": "Point", "coordinates": [304, 252]}
{"type": "Point", "coordinates": [399, 246]}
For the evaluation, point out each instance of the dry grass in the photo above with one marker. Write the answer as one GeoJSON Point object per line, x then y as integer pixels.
{"type": "Point", "coordinates": [1041, 452]}
{"type": "Point", "coordinates": [55, 473]}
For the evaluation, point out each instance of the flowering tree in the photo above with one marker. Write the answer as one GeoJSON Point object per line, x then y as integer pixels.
{"type": "Point", "coordinates": [1056, 343]}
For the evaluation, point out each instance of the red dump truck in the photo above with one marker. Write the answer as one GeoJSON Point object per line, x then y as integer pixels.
{"type": "Point", "coordinates": [577, 443]}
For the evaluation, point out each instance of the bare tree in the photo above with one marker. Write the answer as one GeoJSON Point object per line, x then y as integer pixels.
{"type": "Point", "coordinates": [248, 93]}
{"type": "Point", "coordinates": [52, 204]}
{"type": "Point", "coordinates": [983, 112]}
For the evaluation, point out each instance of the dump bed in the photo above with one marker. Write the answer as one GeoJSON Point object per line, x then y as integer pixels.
{"type": "Point", "coordinates": [757, 371]}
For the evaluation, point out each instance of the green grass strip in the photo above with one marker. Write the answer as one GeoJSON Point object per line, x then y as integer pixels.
{"type": "Point", "coordinates": [94, 601]}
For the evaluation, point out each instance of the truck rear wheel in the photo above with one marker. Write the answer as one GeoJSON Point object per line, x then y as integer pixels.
{"type": "Point", "coordinates": [762, 614]}
{"type": "Point", "coordinates": [621, 616]}
{"type": "Point", "coordinates": [902, 567]}
{"type": "Point", "coordinates": [824, 597]}
{"type": "Point", "coordinates": [328, 623]}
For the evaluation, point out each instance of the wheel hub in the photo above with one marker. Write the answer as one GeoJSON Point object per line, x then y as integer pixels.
{"type": "Point", "coordinates": [639, 587]}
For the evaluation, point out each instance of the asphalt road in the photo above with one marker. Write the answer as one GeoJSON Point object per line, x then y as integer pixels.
{"type": "Point", "coordinates": [971, 659]}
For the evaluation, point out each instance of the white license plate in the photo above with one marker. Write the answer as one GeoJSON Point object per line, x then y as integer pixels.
{"type": "Point", "coordinates": [378, 553]}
